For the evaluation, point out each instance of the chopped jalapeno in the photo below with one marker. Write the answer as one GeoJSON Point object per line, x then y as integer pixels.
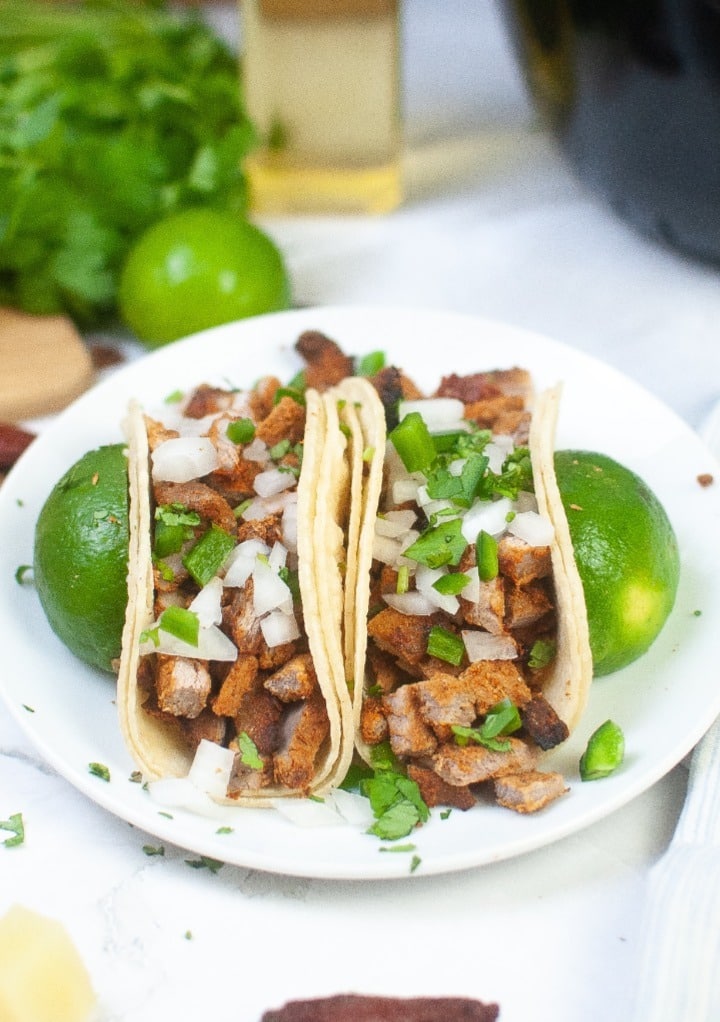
{"type": "Point", "coordinates": [241, 431]}
{"type": "Point", "coordinates": [486, 554]}
{"type": "Point", "coordinates": [411, 439]}
{"type": "Point", "coordinates": [445, 646]}
{"type": "Point", "coordinates": [207, 556]}
{"type": "Point", "coordinates": [604, 753]}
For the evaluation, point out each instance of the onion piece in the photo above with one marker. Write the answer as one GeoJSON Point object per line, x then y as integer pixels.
{"type": "Point", "coordinates": [278, 556]}
{"type": "Point", "coordinates": [535, 529]}
{"type": "Point", "coordinates": [413, 603]}
{"type": "Point", "coordinates": [181, 793]}
{"type": "Point", "coordinates": [278, 627]}
{"type": "Point", "coordinates": [212, 768]}
{"type": "Point", "coordinates": [307, 812]}
{"type": "Point", "coordinates": [484, 646]}
{"type": "Point", "coordinates": [525, 501]}
{"type": "Point", "coordinates": [498, 450]}
{"type": "Point", "coordinates": [424, 579]}
{"type": "Point", "coordinates": [394, 523]}
{"type": "Point", "coordinates": [273, 481]}
{"type": "Point", "coordinates": [263, 507]}
{"type": "Point", "coordinates": [241, 561]}
{"type": "Point", "coordinates": [207, 603]}
{"type": "Point", "coordinates": [289, 526]}
{"type": "Point", "coordinates": [404, 490]}
{"type": "Point", "coordinates": [256, 450]}
{"type": "Point", "coordinates": [471, 591]}
{"type": "Point", "coordinates": [353, 807]}
{"type": "Point", "coordinates": [270, 592]}
{"type": "Point", "coordinates": [440, 414]}
{"type": "Point", "coordinates": [213, 644]}
{"type": "Point", "coordinates": [386, 550]}
{"type": "Point", "coordinates": [182, 459]}
{"type": "Point", "coordinates": [488, 515]}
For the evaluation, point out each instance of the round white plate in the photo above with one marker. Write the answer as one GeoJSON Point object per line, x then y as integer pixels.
{"type": "Point", "coordinates": [664, 702]}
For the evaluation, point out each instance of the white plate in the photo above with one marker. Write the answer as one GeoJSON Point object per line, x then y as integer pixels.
{"type": "Point", "coordinates": [664, 702]}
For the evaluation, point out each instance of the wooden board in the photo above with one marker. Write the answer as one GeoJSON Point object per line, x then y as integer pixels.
{"type": "Point", "coordinates": [44, 365]}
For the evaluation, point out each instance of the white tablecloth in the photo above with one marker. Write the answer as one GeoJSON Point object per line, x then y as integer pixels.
{"type": "Point", "coordinates": [494, 224]}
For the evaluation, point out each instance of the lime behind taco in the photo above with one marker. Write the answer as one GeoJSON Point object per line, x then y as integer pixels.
{"type": "Point", "coordinates": [232, 658]}
{"type": "Point", "coordinates": [466, 641]}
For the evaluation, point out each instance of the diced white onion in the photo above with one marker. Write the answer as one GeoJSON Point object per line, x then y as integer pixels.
{"type": "Point", "coordinates": [211, 768]}
{"type": "Point", "coordinates": [278, 627]}
{"type": "Point", "coordinates": [181, 793]}
{"type": "Point", "coordinates": [307, 812]}
{"type": "Point", "coordinates": [386, 550]}
{"type": "Point", "coordinates": [394, 523]}
{"type": "Point", "coordinates": [525, 501]}
{"type": "Point", "coordinates": [278, 557]}
{"type": "Point", "coordinates": [455, 468]}
{"type": "Point", "coordinates": [241, 561]}
{"type": "Point", "coordinates": [213, 644]}
{"type": "Point", "coordinates": [289, 526]}
{"type": "Point", "coordinates": [353, 807]}
{"type": "Point", "coordinates": [484, 646]}
{"type": "Point", "coordinates": [471, 591]}
{"type": "Point", "coordinates": [424, 580]}
{"type": "Point", "coordinates": [263, 507]}
{"type": "Point", "coordinates": [270, 592]}
{"type": "Point", "coordinates": [404, 489]}
{"type": "Point", "coordinates": [181, 459]}
{"type": "Point", "coordinates": [535, 529]}
{"type": "Point", "coordinates": [499, 448]}
{"type": "Point", "coordinates": [488, 515]}
{"type": "Point", "coordinates": [256, 450]}
{"type": "Point", "coordinates": [440, 414]}
{"type": "Point", "coordinates": [273, 481]}
{"type": "Point", "coordinates": [412, 603]}
{"type": "Point", "coordinates": [207, 603]}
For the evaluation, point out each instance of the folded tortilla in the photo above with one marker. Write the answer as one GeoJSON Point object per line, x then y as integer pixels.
{"type": "Point", "coordinates": [274, 707]}
{"type": "Point", "coordinates": [412, 701]}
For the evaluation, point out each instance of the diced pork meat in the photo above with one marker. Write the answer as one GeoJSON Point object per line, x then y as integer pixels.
{"type": "Point", "coordinates": [205, 726]}
{"type": "Point", "coordinates": [326, 363]}
{"type": "Point", "coordinates": [444, 700]}
{"type": "Point", "coordinates": [261, 398]}
{"type": "Point", "coordinates": [286, 421]}
{"type": "Point", "coordinates": [392, 386]}
{"type": "Point", "coordinates": [542, 724]}
{"type": "Point", "coordinates": [410, 736]}
{"type": "Point", "coordinates": [295, 680]}
{"type": "Point", "coordinates": [491, 681]}
{"type": "Point", "coordinates": [207, 400]}
{"type": "Point", "coordinates": [241, 623]}
{"type": "Point", "coordinates": [268, 529]}
{"type": "Point", "coordinates": [239, 680]}
{"type": "Point", "coordinates": [385, 673]}
{"type": "Point", "coordinates": [359, 1008]}
{"type": "Point", "coordinates": [526, 605]}
{"type": "Point", "coordinates": [373, 722]}
{"type": "Point", "coordinates": [436, 792]}
{"type": "Point", "coordinates": [198, 497]}
{"type": "Point", "coordinates": [182, 685]}
{"type": "Point", "coordinates": [478, 386]}
{"type": "Point", "coordinates": [260, 718]}
{"type": "Point", "coordinates": [530, 791]}
{"type": "Point", "coordinates": [305, 729]}
{"type": "Point", "coordinates": [522, 563]}
{"type": "Point", "coordinates": [401, 635]}
{"type": "Point", "coordinates": [488, 611]}
{"type": "Point", "coordinates": [471, 764]}
{"type": "Point", "coordinates": [157, 433]}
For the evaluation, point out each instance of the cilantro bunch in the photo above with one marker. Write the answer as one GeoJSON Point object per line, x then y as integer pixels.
{"type": "Point", "coordinates": [112, 115]}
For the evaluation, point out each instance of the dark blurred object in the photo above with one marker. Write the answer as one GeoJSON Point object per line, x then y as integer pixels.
{"type": "Point", "coordinates": [13, 441]}
{"type": "Point", "coordinates": [631, 89]}
{"type": "Point", "coordinates": [360, 1008]}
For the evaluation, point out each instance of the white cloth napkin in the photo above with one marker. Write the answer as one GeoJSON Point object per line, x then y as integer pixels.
{"type": "Point", "coordinates": [679, 977]}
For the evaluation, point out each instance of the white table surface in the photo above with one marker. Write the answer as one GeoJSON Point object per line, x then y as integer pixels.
{"type": "Point", "coordinates": [494, 224]}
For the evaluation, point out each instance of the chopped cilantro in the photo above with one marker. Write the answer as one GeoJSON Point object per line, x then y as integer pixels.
{"type": "Point", "coordinates": [501, 719]}
{"type": "Point", "coordinates": [396, 803]}
{"type": "Point", "coordinates": [175, 525]}
{"type": "Point", "coordinates": [99, 770]}
{"type": "Point", "coordinates": [249, 755]}
{"type": "Point", "coordinates": [205, 862]}
{"type": "Point", "coordinates": [439, 545]}
{"type": "Point", "coordinates": [16, 827]}
{"type": "Point", "coordinates": [22, 572]}
{"type": "Point", "coordinates": [154, 849]}
{"type": "Point", "coordinates": [224, 830]}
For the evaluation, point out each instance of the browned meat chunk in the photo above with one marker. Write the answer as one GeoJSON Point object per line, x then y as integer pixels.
{"type": "Point", "coordinates": [295, 680]}
{"type": "Point", "coordinates": [327, 364]}
{"type": "Point", "coordinates": [409, 734]}
{"type": "Point", "coordinates": [205, 725]}
{"type": "Point", "coordinates": [542, 723]}
{"type": "Point", "coordinates": [262, 397]}
{"type": "Point", "coordinates": [157, 433]}
{"type": "Point", "coordinates": [182, 685]}
{"type": "Point", "coordinates": [488, 611]}
{"type": "Point", "coordinates": [479, 386]}
{"type": "Point", "coordinates": [304, 730]}
{"type": "Point", "coordinates": [522, 563]}
{"type": "Point", "coordinates": [269, 529]}
{"type": "Point", "coordinates": [373, 723]}
{"type": "Point", "coordinates": [260, 719]}
{"type": "Point", "coordinates": [239, 680]}
{"type": "Point", "coordinates": [286, 421]}
{"type": "Point", "coordinates": [358, 1008]}
{"type": "Point", "coordinates": [444, 700]}
{"type": "Point", "coordinates": [436, 792]}
{"type": "Point", "coordinates": [241, 622]}
{"type": "Point", "coordinates": [206, 400]}
{"type": "Point", "coordinates": [238, 484]}
{"type": "Point", "coordinates": [392, 386]}
{"type": "Point", "coordinates": [526, 605]}
{"type": "Point", "coordinates": [401, 635]}
{"type": "Point", "coordinates": [201, 498]}
{"type": "Point", "coordinates": [385, 673]}
{"type": "Point", "coordinates": [471, 764]}
{"type": "Point", "coordinates": [491, 681]}
{"type": "Point", "coordinates": [529, 791]}
{"type": "Point", "coordinates": [515, 424]}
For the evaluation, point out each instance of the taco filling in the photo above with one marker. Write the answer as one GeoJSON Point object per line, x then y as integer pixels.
{"type": "Point", "coordinates": [472, 650]}
{"type": "Point", "coordinates": [223, 641]}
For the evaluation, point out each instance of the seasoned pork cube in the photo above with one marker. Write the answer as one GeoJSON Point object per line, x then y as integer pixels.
{"type": "Point", "coordinates": [327, 364]}
{"type": "Point", "coordinates": [182, 685]}
{"type": "Point", "coordinates": [522, 563]}
{"type": "Point", "coordinates": [529, 791]}
{"type": "Point", "coordinates": [470, 764]}
{"type": "Point", "coordinates": [436, 792]}
{"type": "Point", "coordinates": [295, 680]}
{"type": "Point", "coordinates": [409, 734]}
{"type": "Point", "coordinates": [401, 635]}
{"type": "Point", "coordinates": [286, 421]}
{"type": "Point", "coordinates": [526, 605]}
{"type": "Point", "coordinates": [305, 728]}
{"type": "Point", "coordinates": [239, 680]}
{"type": "Point", "coordinates": [491, 681]}
{"type": "Point", "coordinates": [542, 723]}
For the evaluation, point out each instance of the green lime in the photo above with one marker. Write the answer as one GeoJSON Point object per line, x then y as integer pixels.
{"type": "Point", "coordinates": [80, 556]}
{"type": "Point", "coordinates": [197, 269]}
{"type": "Point", "coordinates": [626, 553]}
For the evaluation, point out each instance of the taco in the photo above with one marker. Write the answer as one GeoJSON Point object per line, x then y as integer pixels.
{"type": "Point", "coordinates": [466, 640]}
{"type": "Point", "coordinates": [232, 657]}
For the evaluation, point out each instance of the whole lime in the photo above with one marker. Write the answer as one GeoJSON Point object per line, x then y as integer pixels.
{"type": "Point", "coordinates": [81, 554]}
{"type": "Point", "coordinates": [626, 552]}
{"type": "Point", "coordinates": [197, 269]}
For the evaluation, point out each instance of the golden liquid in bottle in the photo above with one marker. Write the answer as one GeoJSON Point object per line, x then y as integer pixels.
{"type": "Point", "coordinates": [321, 81]}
